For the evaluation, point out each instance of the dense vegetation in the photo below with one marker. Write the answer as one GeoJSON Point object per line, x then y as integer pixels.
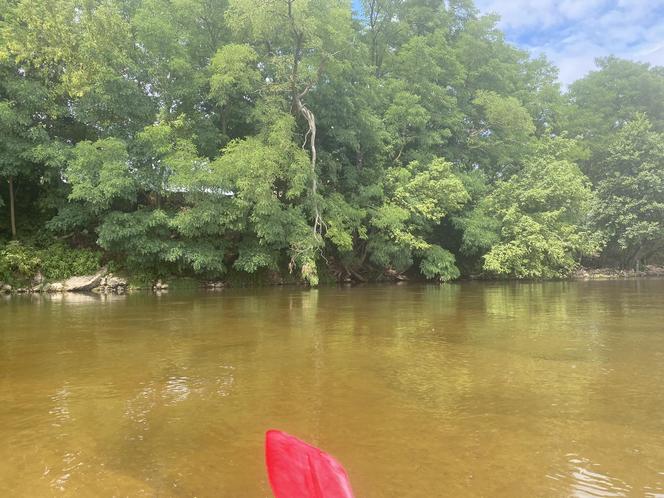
{"type": "Point", "coordinates": [208, 137]}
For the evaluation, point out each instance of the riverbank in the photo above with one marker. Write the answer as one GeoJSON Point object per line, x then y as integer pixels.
{"type": "Point", "coordinates": [105, 282]}
{"type": "Point", "coordinates": [616, 273]}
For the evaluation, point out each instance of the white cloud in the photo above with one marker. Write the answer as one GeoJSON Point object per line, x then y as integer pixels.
{"type": "Point", "coordinates": [572, 33]}
{"type": "Point", "coordinates": [654, 56]}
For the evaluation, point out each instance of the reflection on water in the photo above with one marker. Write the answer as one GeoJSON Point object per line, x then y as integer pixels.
{"type": "Point", "coordinates": [138, 408]}
{"type": "Point", "coordinates": [60, 410]}
{"type": "Point", "coordinates": [176, 390]}
{"type": "Point", "coordinates": [586, 480]}
{"type": "Point", "coordinates": [493, 389]}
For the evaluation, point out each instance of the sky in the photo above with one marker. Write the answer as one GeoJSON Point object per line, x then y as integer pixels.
{"type": "Point", "coordinates": [572, 33]}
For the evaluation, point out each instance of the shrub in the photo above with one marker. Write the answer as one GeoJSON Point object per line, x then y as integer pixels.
{"type": "Point", "coordinates": [18, 263]}
{"type": "Point", "coordinates": [59, 262]}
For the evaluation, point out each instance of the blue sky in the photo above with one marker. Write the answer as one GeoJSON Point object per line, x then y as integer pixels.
{"type": "Point", "coordinates": [572, 33]}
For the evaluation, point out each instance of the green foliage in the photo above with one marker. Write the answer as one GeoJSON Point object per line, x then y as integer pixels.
{"type": "Point", "coordinates": [631, 192]}
{"type": "Point", "coordinates": [405, 120]}
{"type": "Point", "coordinates": [234, 73]}
{"type": "Point", "coordinates": [99, 173]}
{"type": "Point", "coordinates": [343, 221]}
{"type": "Point", "coordinates": [18, 263]}
{"type": "Point", "coordinates": [479, 227]}
{"type": "Point", "coordinates": [439, 263]}
{"type": "Point", "coordinates": [417, 198]}
{"type": "Point", "coordinates": [481, 230]}
{"type": "Point", "coordinates": [543, 214]}
{"type": "Point", "coordinates": [429, 192]}
{"type": "Point", "coordinates": [59, 262]}
{"type": "Point", "coordinates": [606, 99]}
{"type": "Point", "coordinates": [241, 137]}
{"type": "Point", "coordinates": [251, 257]}
{"type": "Point", "coordinates": [504, 133]}
{"type": "Point", "coordinates": [144, 240]}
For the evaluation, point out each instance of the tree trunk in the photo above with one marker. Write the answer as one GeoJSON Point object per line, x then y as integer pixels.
{"type": "Point", "coordinates": [636, 259]}
{"type": "Point", "coordinates": [311, 134]}
{"type": "Point", "coordinates": [12, 213]}
{"type": "Point", "coordinates": [299, 108]}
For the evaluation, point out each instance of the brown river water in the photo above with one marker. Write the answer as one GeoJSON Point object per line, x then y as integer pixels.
{"type": "Point", "coordinates": [472, 389]}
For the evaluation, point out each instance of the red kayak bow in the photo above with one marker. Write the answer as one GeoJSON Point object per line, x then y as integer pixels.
{"type": "Point", "coordinates": [299, 470]}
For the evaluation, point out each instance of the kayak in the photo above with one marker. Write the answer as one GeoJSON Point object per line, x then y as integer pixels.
{"type": "Point", "coordinates": [298, 470]}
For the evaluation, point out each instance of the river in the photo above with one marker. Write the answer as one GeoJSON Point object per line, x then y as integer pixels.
{"type": "Point", "coordinates": [472, 389]}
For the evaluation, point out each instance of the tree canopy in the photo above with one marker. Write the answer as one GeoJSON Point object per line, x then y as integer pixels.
{"type": "Point", "coordinates": [298, 137]}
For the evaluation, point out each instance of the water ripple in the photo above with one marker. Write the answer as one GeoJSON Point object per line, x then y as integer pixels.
{"type": "Point", "coordinates": [176, 390]}
{"type": "Point", "coordinates": [585, 480]}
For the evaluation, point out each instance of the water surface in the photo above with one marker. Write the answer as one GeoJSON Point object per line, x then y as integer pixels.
{"type": "Point", "coordinates": [473, 389]}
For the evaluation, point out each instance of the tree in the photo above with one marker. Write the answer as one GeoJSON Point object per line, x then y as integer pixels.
{"type": "Point", "coordinates": [607, 98]}
{"type": "Point", "coordinates": [205, 137]}
{"type": "Point", "coordinates": [543, 217]}
{"type": "Point", "coordinates": [631, 193]}
{"type": "Point", "coordinates": [235, 83]}
{"type": "Point", "coordinates": [25, 144]}
{"type": "Point", "coordinates": [300, 40]}
{"type": "Point", "coordinates": [418, 197]}
{"type": "Point", "coordinates": [502, 136]}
